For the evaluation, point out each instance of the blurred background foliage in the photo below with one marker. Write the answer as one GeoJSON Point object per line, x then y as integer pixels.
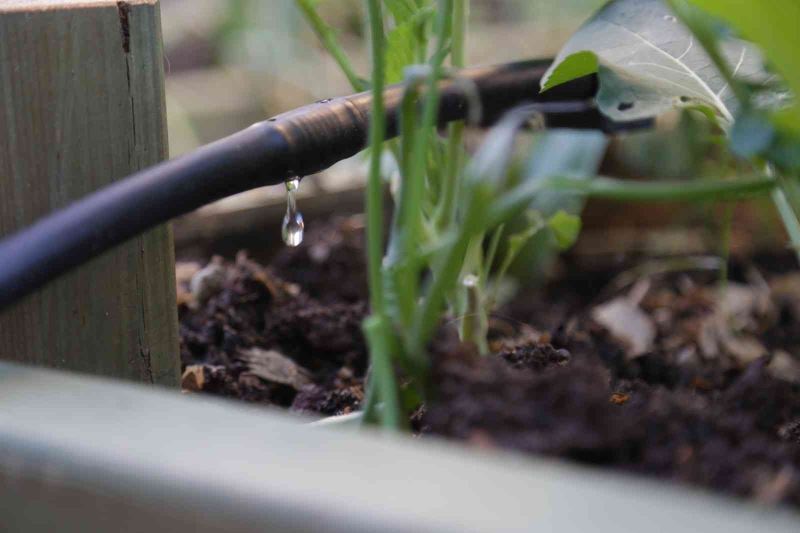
{"type": "Point", "coordinates": [232, 62]}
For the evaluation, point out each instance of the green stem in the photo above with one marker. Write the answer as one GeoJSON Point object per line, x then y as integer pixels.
{"type": "Point", "coordinates": [446, 212]}
{"type": "Point", "coordinates": [630, 191]}
{"type": "Point", "coordinates": [491, 253]}
{"type": "Point", "coordinates": [410, 210]}
{"type": "Point", "coordinates": [789, 218]}
{"type": "Point", "coordinates": [426, 318]}
{"type": "Point", "coordinates": [474, 323]}
{"type": "Point", "coordinates": [382, 384]}
{"type": "Point", "coordinates": [371, 399]}
{"type": "Point", "coordinates": [385, 384]}
{"type": "Point", "coordinates": [673, 191]}
{"type": "Point", "coordinates": [446, 271]}
{"type": "Point", "coordinates": [377, 131]}
{"type": "Point", "coordinates": [451, 183]}
{"type": "Point", "coordinates": [328, 37]}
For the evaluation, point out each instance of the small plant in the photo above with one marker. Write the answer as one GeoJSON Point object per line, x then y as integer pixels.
{"type": "Point", "coordinates": [448, 249]}
{"type": "Point", "coordinates": [703, 66]}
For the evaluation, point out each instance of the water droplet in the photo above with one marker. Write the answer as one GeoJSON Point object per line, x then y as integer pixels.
{"type": "Point", "coordinates": [324, 100]}
{"type": "Point", "coordinates": [293, 225]}
{"type": "Point", "coordinates": [670, 18]}
{"type": "Point", "coordinates": [470, 281]}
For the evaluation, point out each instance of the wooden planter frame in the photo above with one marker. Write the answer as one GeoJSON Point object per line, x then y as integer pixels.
{"type": "Point", "coordinates": [88, 454]}
{"type": "Point", "coordinates": [81, 453]}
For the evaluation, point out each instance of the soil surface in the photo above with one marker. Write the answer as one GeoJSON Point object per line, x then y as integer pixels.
{"type": "Point", "coordinates": [651, 366]}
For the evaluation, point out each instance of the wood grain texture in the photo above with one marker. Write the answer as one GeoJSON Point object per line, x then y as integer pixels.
{"type": "Point", "coordinates": [82, 105]}
{"type": "Point", "coordinates": [38, 5]}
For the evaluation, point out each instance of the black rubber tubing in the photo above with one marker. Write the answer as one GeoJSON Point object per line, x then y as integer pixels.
{"type": "Point", "coordinates": [297, 143]}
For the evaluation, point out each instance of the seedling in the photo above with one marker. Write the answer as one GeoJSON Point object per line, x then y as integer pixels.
{"type": "Point", "coordinates": [451, 209]}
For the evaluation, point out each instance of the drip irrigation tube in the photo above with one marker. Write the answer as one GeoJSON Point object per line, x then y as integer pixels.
{"type": "Point", "coordinates": [297, 143]}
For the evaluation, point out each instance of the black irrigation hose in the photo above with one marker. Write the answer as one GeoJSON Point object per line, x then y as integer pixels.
{"type": "Point", "coordinates": [296, 143]}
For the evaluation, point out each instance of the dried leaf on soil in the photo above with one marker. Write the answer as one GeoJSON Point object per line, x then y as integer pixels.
{"type": "Point", "coordinates": [627, 323]}
{"type": "Point", "coordinates": [273, 366]}
{"type": "Point", "coordinates": [208, 281]}
{"type": "Point", "coordinates": [193, 378]}
{"type": "Point", "coordinates": [731, 328]}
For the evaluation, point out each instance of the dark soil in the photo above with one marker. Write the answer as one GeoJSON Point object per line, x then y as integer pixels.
{"type": "Point", "coordinates": [713, 399]}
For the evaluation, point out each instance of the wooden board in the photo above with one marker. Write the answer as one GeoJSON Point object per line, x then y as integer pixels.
{"type": "Point", "coordinates": [80, 454]}
{"type": "Point", "coordinates": [82, 105]}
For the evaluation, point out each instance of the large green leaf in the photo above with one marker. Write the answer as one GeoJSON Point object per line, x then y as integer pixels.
{"type": "Point", "coordinates": [773, 25]}
{"type": "Point", "coordinates": [648, 62]}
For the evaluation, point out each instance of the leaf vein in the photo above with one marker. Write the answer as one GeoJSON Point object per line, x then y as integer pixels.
{"type": "Point", "coordinates": [710, 94]}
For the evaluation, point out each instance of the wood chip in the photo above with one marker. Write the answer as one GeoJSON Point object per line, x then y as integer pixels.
{"type": "Point", "coordinates": [731, 328]}
{"type": "Point", "coordinates": [619, 398]}
{"type": "Point", "coordinates": [273, 366]}
{"type": "Point", "coordinates": [208, 281]}
{"type": "Point", "coordinates": [773, 489]}
{"type": "Point", "coordinates": [193, 378]}
{"type": "Point", "coordinates": [627, 323]}
{"type": "Point", "coordinates": [784, 366]}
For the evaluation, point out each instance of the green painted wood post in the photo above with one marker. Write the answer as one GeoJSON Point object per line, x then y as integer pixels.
{"type": "Point", "coordinates": [82, 105]}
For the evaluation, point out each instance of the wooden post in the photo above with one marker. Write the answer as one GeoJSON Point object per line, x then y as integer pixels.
{"type": "Point", "coordinates": [82, 105]}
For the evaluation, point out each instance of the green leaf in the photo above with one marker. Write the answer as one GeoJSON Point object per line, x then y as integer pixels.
{"type": "Point", "coordinates": [399, 51]}
{"type": "Point", "coordinates": [401, 10]}
{"type": "Point", "coordinates": [565, 228]}
{"type": "Point", "coordinates": [327, 35]}
{"type": "Point", "coordinates": [648, 62]}
{"type": "Point", "coordinates": [572, 67]}
{"type": "Point", "coordinates": [534, 223]}
{"type": "Point", "coordinates": [401, 43]}
{"type": "Point", "coordinates": [773, 25]}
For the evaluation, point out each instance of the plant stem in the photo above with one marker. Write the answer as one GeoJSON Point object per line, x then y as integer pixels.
{"type": "Point", "coordinates": [446, 270]}
{"type": "Point", "coordinates": [408, 223]}
{"type": "Point", "coordinates": [491, 252]}
{"type": "Point", "coordinates": [446, 212]}
{"type": "Point", "coordinates": [635, 191]}
{"type": "Point", "coordinates": [382, 383]}
{"type": "Point", "coordinates": [328, 37]}
{"type": "Point", "coordinates": [474, 323]}
{"type": "Point", "coordinates": [410, 210]}
{"type": "Point", "coordinates": [631, 191]}
{"type": "Point", "coordinates": [789, 218]}
{"type": "Point", "coordinates": [385, 384]}
{"type": "Point", "coordinates": [725, 243]}
{"type": "Point", "coordinates": [377, 132]}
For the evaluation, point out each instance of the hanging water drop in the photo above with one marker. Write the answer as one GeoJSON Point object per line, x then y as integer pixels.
{"type": "Point", "coordinates": [470, 281]}
{"type": "Point", "coordinates": [293, 226]}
